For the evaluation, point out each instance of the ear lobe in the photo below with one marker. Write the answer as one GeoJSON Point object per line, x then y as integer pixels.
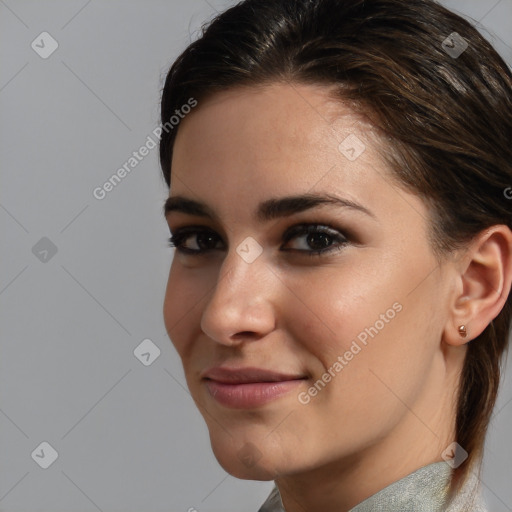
{"type": "Point", "coordinates": [484, 282]}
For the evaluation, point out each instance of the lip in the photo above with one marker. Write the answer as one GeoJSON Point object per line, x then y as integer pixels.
{"type": "Point", "coordinates": [243, 388]}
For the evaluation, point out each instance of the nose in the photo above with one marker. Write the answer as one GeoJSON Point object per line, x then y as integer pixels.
{"type": "Point", "coordinates": [241, 305]}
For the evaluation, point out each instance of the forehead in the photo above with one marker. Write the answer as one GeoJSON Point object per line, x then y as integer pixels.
{"type": "Point", "coordinates": [280, 128]}
{"type": "Point", "coordinates": [243, 146]}
{"type": "Point", "coordinates": [293, 111]}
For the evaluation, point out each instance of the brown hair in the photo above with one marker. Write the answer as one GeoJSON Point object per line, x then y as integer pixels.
{"type": "Point", "coordinates": [446, 118]}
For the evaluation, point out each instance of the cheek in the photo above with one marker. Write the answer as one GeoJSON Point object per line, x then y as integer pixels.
{"type": "Point", "coordinates": [181, 308]}
{"type": "Point", "coordinates": [365, 314]}
{"type": "Point", "coordinates": [338, 305]}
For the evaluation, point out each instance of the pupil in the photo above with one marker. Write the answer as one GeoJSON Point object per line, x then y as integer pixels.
{"type": "Point", "coordinates": [203, 240]}
{"type": "Point", "coordinates": [324, 237]}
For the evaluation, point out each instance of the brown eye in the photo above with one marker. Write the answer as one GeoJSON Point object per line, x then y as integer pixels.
{"type": "Point", "coordinates": [201, 241]}
{"type": "Point", "coordinates": [316, 239]}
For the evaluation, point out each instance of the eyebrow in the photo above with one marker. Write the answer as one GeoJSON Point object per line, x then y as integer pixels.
{"type": "Point", "coordinates": [267, 210]}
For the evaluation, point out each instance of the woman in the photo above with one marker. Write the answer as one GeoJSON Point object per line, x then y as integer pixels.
{"type": "Point", "coordinates": [340, 207]}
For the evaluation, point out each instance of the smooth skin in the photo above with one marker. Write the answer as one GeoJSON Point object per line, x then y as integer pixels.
{"type": "Point", "coordinates": [391, 410]}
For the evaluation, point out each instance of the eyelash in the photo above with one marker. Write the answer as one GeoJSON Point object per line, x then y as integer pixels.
{"type": "Point", "coordinates": [177, 239]}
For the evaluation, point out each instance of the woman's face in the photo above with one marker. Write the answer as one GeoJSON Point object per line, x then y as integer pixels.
{"type": "Point", "coordinates": [350, 337]}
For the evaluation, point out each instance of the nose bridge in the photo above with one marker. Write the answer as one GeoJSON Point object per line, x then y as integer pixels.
{"type": "Point", "coordinates": [240, 301]}
{"type": "Point", "coordinates": [241, 279]}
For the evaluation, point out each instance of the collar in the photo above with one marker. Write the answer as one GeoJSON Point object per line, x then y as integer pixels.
{"type": "Point", "coordinates": [424, 490]}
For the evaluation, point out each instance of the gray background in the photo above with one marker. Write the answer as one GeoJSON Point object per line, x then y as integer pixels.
{"type": "Point", "coordinates": [128, 436]}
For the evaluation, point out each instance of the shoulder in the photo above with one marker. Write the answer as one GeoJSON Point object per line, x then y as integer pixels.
{"type": "Point", "coordinates": [469, 497]}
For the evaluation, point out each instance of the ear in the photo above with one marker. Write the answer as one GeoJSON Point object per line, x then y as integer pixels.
{"type": "Point", "coordinates": [484, 277]}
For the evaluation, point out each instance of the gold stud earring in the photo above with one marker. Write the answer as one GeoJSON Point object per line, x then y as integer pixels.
{"type": "Point", "coordinates": [462, 331]}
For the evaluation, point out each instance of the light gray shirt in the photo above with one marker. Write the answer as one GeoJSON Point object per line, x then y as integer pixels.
{"type": "Point", "coordinates": [424, 490]}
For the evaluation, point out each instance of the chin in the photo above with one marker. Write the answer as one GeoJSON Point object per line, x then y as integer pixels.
{"type": "Point", "coordinates": [243, 460]}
